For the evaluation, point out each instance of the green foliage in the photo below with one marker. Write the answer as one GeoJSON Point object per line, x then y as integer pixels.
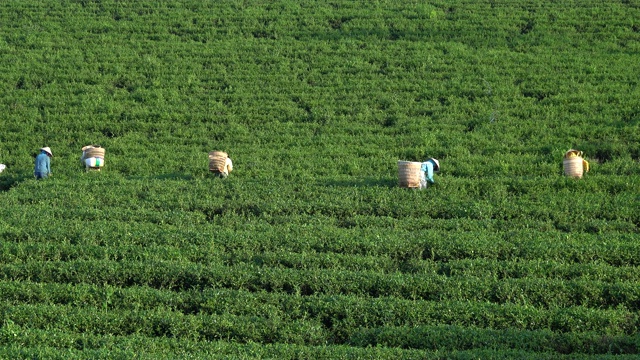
{"type": "Point", "coordinates": [310, 249]}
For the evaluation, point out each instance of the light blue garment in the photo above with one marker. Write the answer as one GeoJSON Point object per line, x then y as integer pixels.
{"type": "Point", "coordinates": [427, 167]}
{"type": "Point", "coordinates": [43, 165]}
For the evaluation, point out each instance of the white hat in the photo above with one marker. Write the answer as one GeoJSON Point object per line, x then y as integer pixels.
{"type": "Point", "coordinates": [47, 150]}
{"type": "Point", "coordinates": [437, 163]}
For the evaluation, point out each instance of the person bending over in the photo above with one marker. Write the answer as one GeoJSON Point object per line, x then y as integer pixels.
{"type": "Point", "coordinates": [43, 163]}
{"type": "Point", "coordinates": [426, 172]}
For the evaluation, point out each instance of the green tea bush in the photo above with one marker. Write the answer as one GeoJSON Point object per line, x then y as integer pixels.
{"type": "Point", "coordinates": [309, 249]}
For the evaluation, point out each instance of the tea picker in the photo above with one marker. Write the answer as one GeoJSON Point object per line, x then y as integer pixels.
{"type": "Point", "coordinates": [574, 165]}
{"type": "Point", "coordinates": [43, 163]}
{"type": "Point", "coordinates": [416, 175]}
{"type": "Point", "coordinates": [92, 157]}
{"type": "Point", "coordinates": [220, 164]}
{"type": "Point", "coordinates": [426, 172]}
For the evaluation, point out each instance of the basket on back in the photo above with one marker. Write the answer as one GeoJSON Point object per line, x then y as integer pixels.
{"type": "Point", "coordinates": [409, 174]}
{"type": "Point", "coordinates": [93, 157]}
{"type": "Point", "coordinates": [97, 152]}
{"type": "Point", "coordinates": [574, 165]}
{"type": "Point", "coordinates": [217, 161]}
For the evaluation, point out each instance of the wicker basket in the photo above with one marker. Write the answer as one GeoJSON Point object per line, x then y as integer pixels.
{"type": "Point", "coordinates": [573, 167]}
{"type": "Point", "coordinates": [409, 174]}
{"type": "Point", "coordinates": [573, 164]}
{"type": "Point", "coordinates": [217, 161]}
{"type": "Point", "coordinates": [97, 152]}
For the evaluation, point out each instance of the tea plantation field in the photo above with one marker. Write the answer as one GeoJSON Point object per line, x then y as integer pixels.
{"type": "Point", "coordinates": [310, 249]}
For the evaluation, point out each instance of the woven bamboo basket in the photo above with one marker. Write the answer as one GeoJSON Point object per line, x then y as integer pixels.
{"type": "Point", "coordinates": [217, 161]}
{"type": "Point", "coordinates": [573, 167]}
{"type": "Point", "coordinates": [573, 164]}
{"type": "Point", "coordinates": [409, 174]}
{"type": "Point", "coordinates": [94, 152]}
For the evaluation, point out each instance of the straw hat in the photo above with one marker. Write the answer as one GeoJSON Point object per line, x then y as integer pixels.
{"type": "Point", "coordinates": [437, 164]}
{"type": "Point", "coordinates": [47, 150]}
